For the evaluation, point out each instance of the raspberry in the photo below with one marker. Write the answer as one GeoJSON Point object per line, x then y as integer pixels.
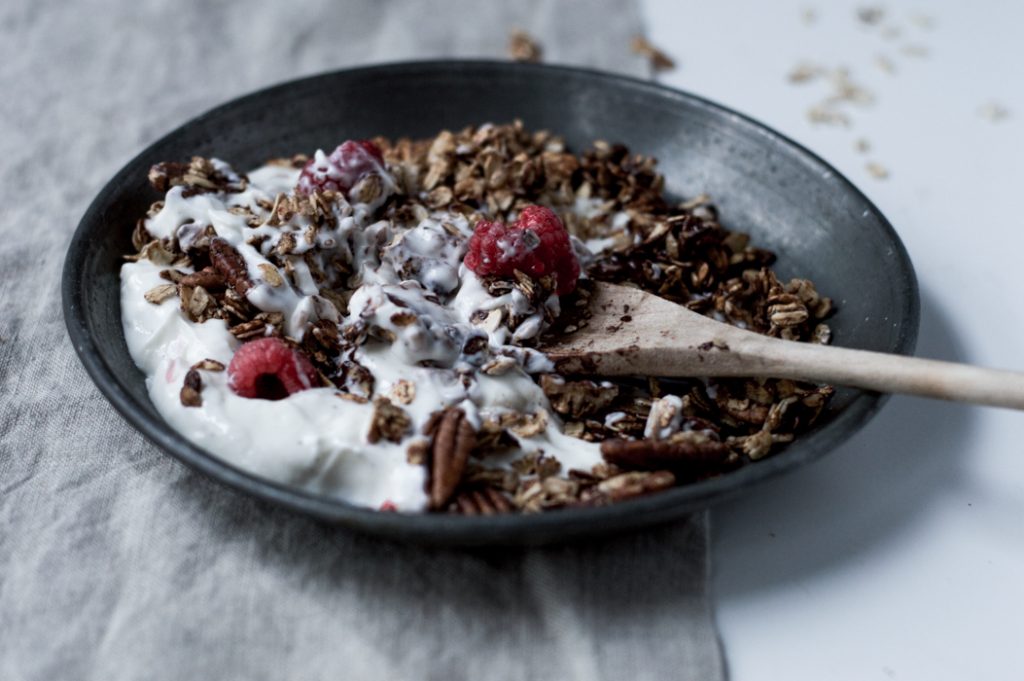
{"type": "Point", "coordinates": [342, 169]}
{"type": "Point", "coordinates": [535, 244]}
{"type": "Point", "coordinates": [270, 369]}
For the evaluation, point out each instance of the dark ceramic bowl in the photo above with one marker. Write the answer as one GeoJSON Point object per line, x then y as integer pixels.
{"type": "Point", "coordinates": [791, 201]}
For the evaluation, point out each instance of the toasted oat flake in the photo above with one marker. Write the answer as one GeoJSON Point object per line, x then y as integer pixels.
{"type": "Point", "coordinates": [523, 47]}
{"type": "Point", "coordinates": [827, 115]}
{"type": "Point", "coordinates": [877, 171]}
{"type": "Point", "coordinates": [159, 294]}
{"type": "Point", "coordinates": [403, 391]}
{"type": "Point", "coordinates": [885, 64]}
{"type": "Point", "coordinates": [870, 15]}
{"type": "Point", "coordinates": [993, 111]}
{"type": "Point", "coordinates": [923, 21]}
{"type": "Point", "coordinates": [915, 50]}
{"type": "Point", "coordinates": [271, 275]}
{"type": "Point", "coordinates": [208, 365]}
{"type": "Point", "coordinates": [804, 72]}
{"type": "Point", "coordinates": [389, 422]}
{"type": "Point", "coordinates": [659, 60]}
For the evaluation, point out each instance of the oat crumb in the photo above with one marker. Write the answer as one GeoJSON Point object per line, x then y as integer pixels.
{"type": "Point", "coordinates": [914, 50]}
{"type": "Point", "coordinates": [862, 145]}
{"type": "Point", "coordinates": [658, 59]}
{"type": "Point", "coordinates": [877, 170]}
{"type": "Point", "coordinates": [827, 115]}
{"type": "Point", "coordinates": [809, 16]}
{"type": "Point", "coordinates": [993, 111]}
{"type": "Point", "coordinates": [891, 32]}
{"type": "Point", "coordinates": [804, 72]}
{"type": "Point", "coordinates": [871, 16]}
{"type": "Point", "coordinates": [885, 64]}
{"type": "Point", "coordinates": [523, 47]}
{"type": "Point", "coordinates": [925, 21]}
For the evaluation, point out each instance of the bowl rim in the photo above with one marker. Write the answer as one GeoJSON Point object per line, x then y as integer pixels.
{"type": "Point", "coordinates": [446, 529]}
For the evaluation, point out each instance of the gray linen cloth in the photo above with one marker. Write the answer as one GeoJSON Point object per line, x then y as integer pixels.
{"type": "Point", "coordinates": [118, 563]}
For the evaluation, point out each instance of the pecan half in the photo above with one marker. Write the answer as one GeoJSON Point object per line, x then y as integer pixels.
{"type": "Point", "coordinates": [208, 278]}
{"type": "Point", "coordinates": [483, 501]}
{"type": "Point", "coordinates": [454, 438]}
{"type": "Point", "coordinates": [231, 265]}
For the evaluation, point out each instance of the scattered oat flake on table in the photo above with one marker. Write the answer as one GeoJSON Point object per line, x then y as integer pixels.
{"type": "Point", "coordinates": [872, 16]}
{"type": "Point", "coordinates": [658, 59]}
{"type": "Point", "coordinates": [522, 47]}
{"type": "Point", "coordinates": [809, 16]}
{"type": "Point", "coordinates": [804, 72]}
{"type": "Point", "coordinates": [885, 64]}
{"type": "Point", "coordinates": [846, 90]}
{"type": "Point", "coordinates": [993, 111]}
{"type": "Point", "coordinates": [891, 32]}
{"type": "Point", "coordinates": [827, 114]}
{"type": "Point", "coordinates": [924, 21]}
{"type": "Point", "coordinates": [862, 145]}
{"type": "Point", "coordinates": [877, 171]}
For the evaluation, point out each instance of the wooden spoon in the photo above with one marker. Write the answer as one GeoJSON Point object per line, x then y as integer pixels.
{"type": "Point", "coordinates": [632, 332]}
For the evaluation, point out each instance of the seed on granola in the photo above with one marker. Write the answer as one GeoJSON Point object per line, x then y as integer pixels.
{"type": "Point", "coordinates": [189, 394]}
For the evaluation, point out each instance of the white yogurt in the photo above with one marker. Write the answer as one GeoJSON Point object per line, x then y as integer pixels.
{"type": "Point", "coordinates": [314, 439]}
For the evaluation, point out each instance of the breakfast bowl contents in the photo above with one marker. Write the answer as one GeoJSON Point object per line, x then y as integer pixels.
{"type": "Point", "coordinates": [368, 324]}
{"type": "Point", "coordinates": [790, 202]}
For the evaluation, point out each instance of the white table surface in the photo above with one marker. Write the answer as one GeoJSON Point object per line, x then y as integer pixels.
{"type": "Point", "coordinates": [900, 555]}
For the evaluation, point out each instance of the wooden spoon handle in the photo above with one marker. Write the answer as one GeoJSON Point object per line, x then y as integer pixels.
{"type": "Point", "coordinates": [770, 357]}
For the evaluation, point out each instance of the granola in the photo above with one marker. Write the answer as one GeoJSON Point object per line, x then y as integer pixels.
{"type": "Point", "coordinates": [391, 298]}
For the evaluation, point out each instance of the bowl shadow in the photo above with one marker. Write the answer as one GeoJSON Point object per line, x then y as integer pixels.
{"type": "Point", "coordinates": [866, 493]}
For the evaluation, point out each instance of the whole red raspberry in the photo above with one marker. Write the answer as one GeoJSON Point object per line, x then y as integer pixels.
{"type": "Point", "coordinates": [270, 369]}
{"type": "Point", "coordinates": [342, 169]}
{"type": "Point", "coordinates": [535, 244]}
